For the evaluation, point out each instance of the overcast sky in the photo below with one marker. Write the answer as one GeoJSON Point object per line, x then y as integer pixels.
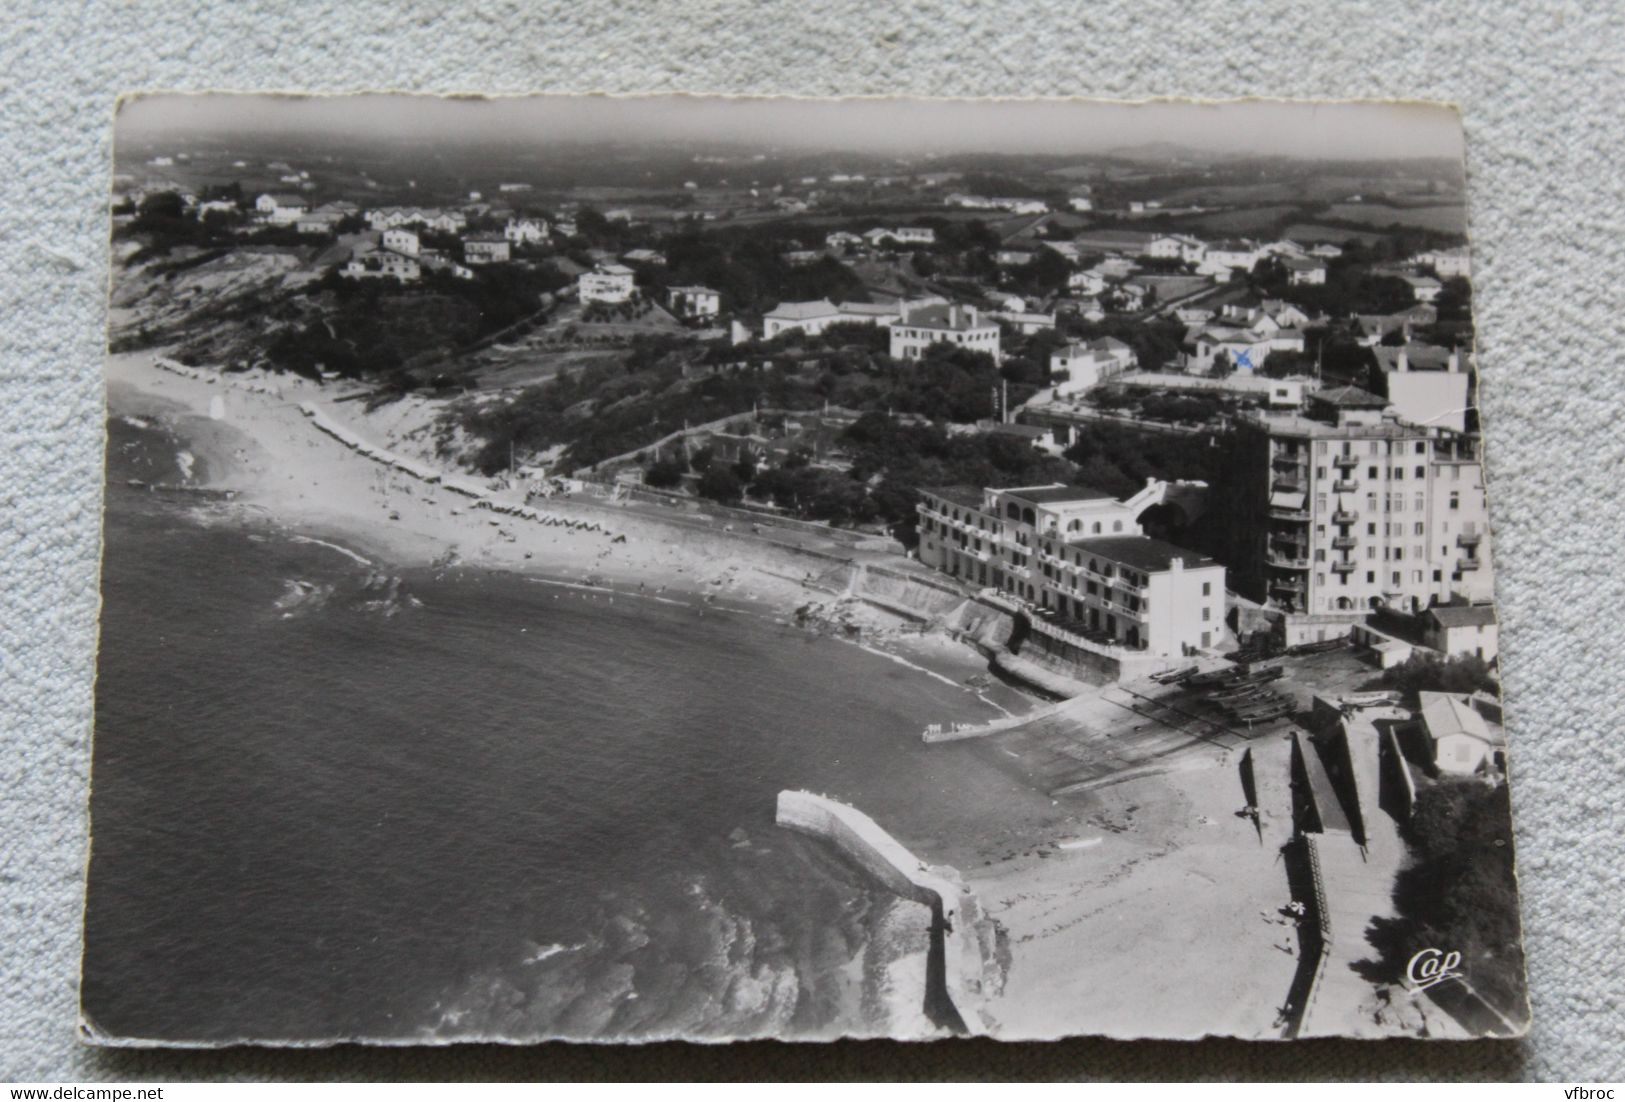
{"type": "Point", "coordinates": [904, 126]}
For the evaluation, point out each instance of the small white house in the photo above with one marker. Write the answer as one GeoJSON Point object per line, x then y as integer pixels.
{"type": "Point", "coordinates": [606, 283]}
{"type": "Point", "coordinates": [1461, 739]}
{"type": "Point", "coordinates": [281, 208]}
{"type": "Point", "coordinates": [402, 241]}
{"type": "Point", "coordinates": [694, 302]}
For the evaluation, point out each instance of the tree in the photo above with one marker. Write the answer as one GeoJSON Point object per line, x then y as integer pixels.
{"type": "Point", "coordinates": [1464, 673]}
{"type": "Point", "coordinates": [663, 474]}
{"type": "Point", "coordinates": [721, 484]}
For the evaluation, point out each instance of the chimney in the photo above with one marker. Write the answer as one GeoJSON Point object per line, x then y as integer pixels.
{"type": "Point", "coordinates": [1404, 361]}
{"type": "Point", "coordinates": [1176, 564]}
{"type": "Point", "coordinates": [953, 316]}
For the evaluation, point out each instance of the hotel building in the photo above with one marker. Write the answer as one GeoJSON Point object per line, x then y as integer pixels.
{"type": "Point", "coordinates": [1081, 557]}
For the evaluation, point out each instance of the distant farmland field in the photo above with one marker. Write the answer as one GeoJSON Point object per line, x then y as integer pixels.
{"type": "Point", "coordinates": [1312, 232]}
{"type": "Point", "coordinates": [1445, 219]}
{"type": "Point", "coordinates": [1245, 220]}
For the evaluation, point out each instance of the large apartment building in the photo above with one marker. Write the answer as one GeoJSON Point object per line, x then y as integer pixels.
{"type": "Point", "coordinates": [1082, 557]}
{"type": "Point", "coordinates": [963, 326]}
{"type": "Point", "coordinates": [1350, 508]}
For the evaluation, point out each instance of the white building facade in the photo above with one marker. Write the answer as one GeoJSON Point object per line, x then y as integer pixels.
{"type": "Point", "coordinates": [1082, 556]}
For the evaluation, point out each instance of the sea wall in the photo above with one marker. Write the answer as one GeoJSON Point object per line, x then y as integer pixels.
{"type": "Point", "coordinates": [954, 973]}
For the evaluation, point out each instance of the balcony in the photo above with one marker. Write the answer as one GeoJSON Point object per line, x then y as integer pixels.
{"type": "Point", "coordinates": [1288, 585]}
{"type": "Point", "coordinates": [1345, 543]}
{"type": "Point", "coordinates": [1469, 539]}
{"type": "Point", "coordinates": [1344, 566]}
{"type": "Point", "coordinates": [1287, 562]}
{"type": "Point", "coordinates": [1465, 565]}
{"type": "Point", "coordinates": [1345, 486]}
{"type": "Point", "coordinates": [1345, 516]}
{"type": "Point", "coordinates": [1288, 484]}
{"type": "Point", "coordinates": [1345, 462]}
{"type": "Point", "coordinates": [1301, 515]}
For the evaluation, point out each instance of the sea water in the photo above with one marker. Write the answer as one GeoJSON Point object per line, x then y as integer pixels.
{"type": "Point", "coordinates": [333, 799]}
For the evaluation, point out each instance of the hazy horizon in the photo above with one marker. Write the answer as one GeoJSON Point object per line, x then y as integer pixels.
{"type": "Point", "coordinates": [904, 126]}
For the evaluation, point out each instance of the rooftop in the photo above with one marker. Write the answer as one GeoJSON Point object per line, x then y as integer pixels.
{"type": "Point", "coordinates": [1350, 397]}
{"type": "Point", "coordinates": [1141, 552]}
{"type": "Point", "coordinates": [1445, 714]}
{"type": "Point", "coordinates": [1054, 494]}
{"type": "Point", "coordinates": [1420, 357]}
{"type": "Point", "coordinates": [945, 317]}
{"type": "Point", "coordinates": [1462, 616]}
{"type": "Point", "coordinates": [956, 495]}
{"type": "Point", "coordinates": [821, 308]}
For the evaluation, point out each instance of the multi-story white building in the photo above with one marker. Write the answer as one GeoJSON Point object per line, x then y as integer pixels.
{"type": "Point", "coordinates": [915, 235]}
{"type": "Point", "coordinates": [402, 241]}
{"type": "Point", "coordinates": [814, 317]}
{"type": "Point", "coordinates": [381, 263]}
{"type": "Point", "coordinates": [1082, 556]}
{"type": "Point", "coordinates": [486, 248]}
{"type": "Point", "coordinates": [1090, 363]}
{"type": "Point", "coordinates": [1224, 257]}
{"type": "Point", "coordinates": [281, 208]}
{"type": "Point", "coordinates": [1449, 263]}
{"type": "Point", "coordinates": [606, 283]}
{"type": "Point", "coordinates": [1350, 508]}
{"type": "Point", "coordinates": [958, 325]}
{"type": "Point", "coordinates": [694, 302]}
{"type": "Point", "coordinates": [525, 231]}
{"type": "Point", "coordinates": [446, 221]}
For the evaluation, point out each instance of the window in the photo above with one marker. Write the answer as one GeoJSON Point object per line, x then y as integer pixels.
{"type": "Point", "coordinates": [1421, 472]}
{"type": "Point", "coordinates": [1370, 577]}
{"type": "Point", "coordinates": [1370, 552]}
{"type": "Point", "coordinates": [1320, 579]}
{"type": "Point", "coordinates": [1399, 474]}
{"type": "Point", "coordinates": [1371, 528]}
{"type": "Point", "coordinates": [1320, 472]}
{"type": "Point", "coordinates": [1207, 589]}
{"type": "Point", "coordinates": [1371, 472]}
{"type": "Point", "coordinates": [1455, 499]}
{"type": "Point", "coordinates": [1207, 638]}
{"type": "Point", "coordinates": [1320, 554]}
{"type": "Point", "coordinates": [1117, 526]}
{"type": "Point", "coordinates": [1396, 577]}
{"type": "Point", "coordinates": [1207, 614]}
{"type": "Point", "coordinates": [1421, 448]}
{"type": "Point", "coordinates": [1438, 575]}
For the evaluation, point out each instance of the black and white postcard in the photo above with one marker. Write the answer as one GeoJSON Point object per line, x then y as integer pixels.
{"type": "Point", "coordinates": [627, 569]}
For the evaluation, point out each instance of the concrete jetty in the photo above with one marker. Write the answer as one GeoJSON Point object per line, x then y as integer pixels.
{"type": "Point", "coordinates": [954, 966]}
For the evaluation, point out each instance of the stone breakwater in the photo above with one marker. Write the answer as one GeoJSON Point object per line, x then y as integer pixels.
{"type": "Point", "coordinates": [960, 935]}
